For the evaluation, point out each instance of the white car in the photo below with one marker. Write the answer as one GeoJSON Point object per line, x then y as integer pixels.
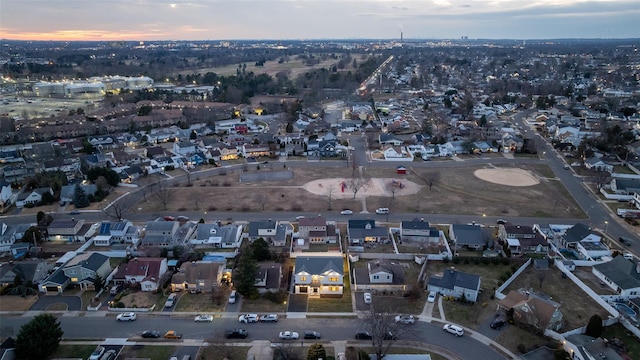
{"type": "Point", "coordinates": [432, 297]}
{"type": "Point", "coordinates": [203, 318]}
{"type": "Point", "coordinates": [405, 319]}
{"type": "Point", "coordinates": [269, 318]}
{"type": "Point", "coordinates": [453, 329]}
{"type": "Point", "coordinates": [381, 211]}
{"type": "Point", "coordinates": [128, 316]}
{"type": "Point", "coordinates": [367, 298]}
{"type": "Point", "coordinates": [289, 335]}
{"type": "Point", "coordinates": [346, 212]}
{"type": "Point", "coordinates": [248, 318]}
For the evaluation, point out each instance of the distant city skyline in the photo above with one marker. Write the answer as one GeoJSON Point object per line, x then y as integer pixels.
{"type": "Point", "coordinates": [146, 20]}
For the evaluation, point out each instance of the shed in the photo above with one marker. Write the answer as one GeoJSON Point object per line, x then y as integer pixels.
{"type": "Point", "coordinates": [401, 170]}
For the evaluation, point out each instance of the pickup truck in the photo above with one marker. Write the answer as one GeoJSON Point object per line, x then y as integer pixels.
{"type": "Point", "coordinates": [236, 334]}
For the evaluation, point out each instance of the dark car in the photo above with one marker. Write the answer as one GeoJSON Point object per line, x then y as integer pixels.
{"type": "Point", "coordinates": [150, 334]}
{"type": "Point", "coordinates": [236, 334]}
{"type": "Point", "coordinates": [498, 323]}
{"type": "Point", "coordinates": [364, 335]}
{"type": "Point", "coordinates": [625, 240]}
{"type": "Point", "coordinates": [311, 335]}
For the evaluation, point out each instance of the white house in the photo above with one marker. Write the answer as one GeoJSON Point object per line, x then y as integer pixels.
{"type": "Point", "coordinates": [218, 236]}
{"type": "Point", "coordinates": [620, 274]}
{"type": "Point", "coordinates": [319, 276]}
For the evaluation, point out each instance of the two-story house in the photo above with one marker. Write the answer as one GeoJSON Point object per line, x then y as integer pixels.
{"type": "Point", "coordinates": [365, 231]}
{"type": "Point", "coordinates": [316, 230]}
{"type": "Point", "coordinates": [67, 192]}
{"type": "Point", "coordinates": [65, 229]}
{"type": "Point", "coordinates": [147, 272]}
{"type": "Point", "coordinates": [319, 276]}
{"type": "Point", "coordinates": [160, 233]}
{"type": "Point", "coordinates": [467, 236]}
{"type": "Point", "coordinates": [218, 236]}
{"type": "Point", "coordinates": [532, 309]}
{"type": "Point", "coordinates": [523, 238]}
{"type": "Point", "coordinates": [263, 229]}
{"type": "Point", "coordinates": [116, 233]}
{"type": "Point", "coordinates": [33, 271]}
{"type": "Point", "coordinates": [419, 231]}
{"type": "Point", "coordinates": [184, 148]}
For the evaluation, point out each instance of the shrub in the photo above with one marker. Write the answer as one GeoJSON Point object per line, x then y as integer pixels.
{"type": "Point", "coordinates": [119, 305]}
{"type": "Point", "coordinates": [226, 183]}
{"type": "Point", "coordinates": [521, 348]}
{"type": "Point", "coordinates": [182, 209]}
{"type": "Point", "coordinates": [212, 208]}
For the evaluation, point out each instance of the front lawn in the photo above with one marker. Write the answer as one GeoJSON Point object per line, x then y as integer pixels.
{"type": "Point", "coordinates": [330, 304]}
{"type": "Point", "coordinates": [73, 351]}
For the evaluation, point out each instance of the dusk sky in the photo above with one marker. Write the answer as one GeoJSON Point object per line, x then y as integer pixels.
{"type": "Point", "coordinates": [316, 19]}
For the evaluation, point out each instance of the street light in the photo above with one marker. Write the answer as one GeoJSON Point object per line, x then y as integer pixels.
{"type": "Point", "coordinates": [606, 224]}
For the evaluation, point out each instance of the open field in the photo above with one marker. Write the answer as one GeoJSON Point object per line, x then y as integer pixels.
{"type": "Point", "coordinates": [455, 191]}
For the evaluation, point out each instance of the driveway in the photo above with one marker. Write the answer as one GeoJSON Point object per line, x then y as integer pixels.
{"type": "Point", "coordinates": [74, 303]}
{"type": "Point", "coordinates": [297, 303]}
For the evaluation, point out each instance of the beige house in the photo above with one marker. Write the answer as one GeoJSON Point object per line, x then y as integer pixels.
{"type": "Point", "coordinates": [197, 277]}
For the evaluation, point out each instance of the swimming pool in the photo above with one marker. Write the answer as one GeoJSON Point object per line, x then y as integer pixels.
{"type": "Point", "coordinates": [214, 258]}
{"type": "Point", "coordinates": [626, 310]}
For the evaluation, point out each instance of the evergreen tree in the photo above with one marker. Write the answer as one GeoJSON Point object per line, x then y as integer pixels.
{"type": "Point", "coordinates": [594, 327]}
{"type": "Point", "coordinates": [260, 250]}
{"type": "Point", "coordinates": [38, 338]}
{"type": "Point", "coordinates": [246, 279]}
{"type": "Point", "coordinates": [80, 198]}
{"type": "Point", "coordinates": [316, 352]}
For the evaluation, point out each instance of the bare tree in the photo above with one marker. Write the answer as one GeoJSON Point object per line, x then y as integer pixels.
{"type": "Point", "coordinates": [288, 351]}
{"type": "Point", "coordinates": [379, 321]}
{"type": "Point", "coordinates": [600, 178]}
{"type": "Point", "coordinates": [330, 190]}
{"type": "Point", "coordinates": [541, 275]}
{"type": "Point", "coordinates": [357, 183]}
{"type": "Point", "coordinates": [221, 350]}
{"type": "Point", "coordinates": [431, 178]}
{"type": "Point", "coordinates": [393, 187]}
{"type": "Point", "coordinates": [117, 209]}
{"type": "Point", "coordinates": [163, 195]}
{"type": "Point", "coordinates": [261, 199]}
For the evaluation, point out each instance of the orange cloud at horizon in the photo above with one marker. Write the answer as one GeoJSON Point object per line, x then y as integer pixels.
{"type": "Point", "coordinates": [80, 35]}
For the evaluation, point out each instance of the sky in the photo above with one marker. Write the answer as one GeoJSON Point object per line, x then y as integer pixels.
{"type": "Point", "coordinates": [317, 19]}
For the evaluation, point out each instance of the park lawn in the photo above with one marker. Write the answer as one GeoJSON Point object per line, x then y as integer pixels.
{"type": "Point", "coordinates": [73, 351]}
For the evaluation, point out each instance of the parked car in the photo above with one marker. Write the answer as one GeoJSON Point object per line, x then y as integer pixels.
{"type": "Point", "coordinates": [172, 334]}
{"type": "Point", "coordinates": [115, 289]}
{"type": "Point", "coordinates": [236, 334]}
{"type": "Point", "coordinates": [300, 217]}
{"type": "Point", "coordinates": [288, 335]}
{"type": "Point", "coordinates": [405, 319]}
{"type": "Point", "coordinates": [501, 221]}
{"type": "Point", "coordinates": [311, 335]}
{"type": "Point", "coordinates": [625, 240]}
{"type": "Point", "coordinates": [381, 211]}
{"type": "Point", "coordinates": [432, 296]}
{"type": "Point", "coordinates": [363, 335]}
{"type": "Point", "coordinates": [128, 316]}
{"type": "Point", "coordinates": [203, 318]}
{"type": "Point", "coordinates": [74, 212]}
{"type": "Point", "coordinates": [109, 355]}
{"type": "Point", "coordinates": [498, 323]}
{"type": "Point", "coordinates": [346, 212]}
{"type": "Point", "coordinates": [248, 318]}
{"type": "Point", "coordinates": [269, 318]}
{"type": "Point", "coordinates": [97, 353]}
{"type": "Point", "coordinates": [453, 329]}
{"type": "Point", "coordinates": [367, 298]}
{"type": "Point", "coordinates": [170, 300]}
{"type": "Point", "coordinates": [150, 334]}
{"type": "Point", "coordinates": [233, 297]}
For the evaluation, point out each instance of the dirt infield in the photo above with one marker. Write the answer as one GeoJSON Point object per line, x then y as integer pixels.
{"type": "Point", "coordinates": [375, 187]}
{"type": "Point", "coordinates": [507, 176]}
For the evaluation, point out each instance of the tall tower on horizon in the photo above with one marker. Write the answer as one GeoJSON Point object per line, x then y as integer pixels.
{"type": "Point", "coordinates": [400, 37]}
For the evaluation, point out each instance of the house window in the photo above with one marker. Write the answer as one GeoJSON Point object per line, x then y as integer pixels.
{"type": "Point", "coordinates": [303, 278]}
{"type": "Point", "coordinates": [75, 279]}
{"type": "Point", "coordinates": [333, 279]}
{"type": "Point", "coordinates": [334, 288]}
{"type": "Point", "coordinates": [376, 277]}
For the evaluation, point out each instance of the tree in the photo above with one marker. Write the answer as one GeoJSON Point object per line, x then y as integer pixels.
{"type": "Point", "coordinates": [110, 175]}
{"type": "Point", "coordinates": [260, 250]}
{"type": "Point", "coordinates": [431, 178]}
{"type": "Point", "coordinates": [38, 338]}
{"type": "Point", "coordinates": [379, 321]}
{"type": "Point", "coordinates": [594, 327]}
{"type": "Point", "coordinates": [80, 198]}
{"type": "Point", "coordinates": [117, 209]}
{"type": "Point", "coordinates": [32, 235]}
{"type": "Point", "coordinates": [540, 275]}
{"type": "Point", "coordinates": [261, 199]}
{"type": "Point", "coordinates": [98, 283]}
{"type": "Point", "coordinates": [163, 195]}
{"type": "Point", "coordinates": [40, 217]}
{"type": "Point", "coordinates": [193, 135]}
{"type": "Point", "coordinates": [246, 279]}
{"type": "Point", "coordinates": [330, 190]}
{"type": "Point", "coordinates": [316, 352]}
{"type": "Point", "coordinates": [357, 183]}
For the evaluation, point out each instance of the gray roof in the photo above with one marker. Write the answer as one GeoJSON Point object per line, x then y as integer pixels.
{"type": "Point", "coordinates": [468, 234]}
{"type": "Point", "coordinates": [68, 191]}
{"type": "Point", "coordinates": [58, 277]}
{"type": "Point", "coordinates": [621, 272]}
{"type": "Point", "coordinates": [226, 233]}
{"type": "Point", "coordinates": [452, 278]}
{"type": "Point", "coordinates": [622, 183]}
{"type": "Point", "coordinates": [577, 233]}
{"type": "Point", "coordinates": [94, 261]}
{"type": "Point", "coordinates": [315, 265]}
{"type": "Point", "coordinates": [415, 225]}
{"type": "Point", "coordinates": [281, 233]}
{"type": "Point", "coordinates": [254, 226]}
{"type": "Point", "coordinates": [160, 225]}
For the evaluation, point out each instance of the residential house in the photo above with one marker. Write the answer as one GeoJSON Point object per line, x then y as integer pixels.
{"type": "Point", "coordinates": [592, 248]}
{"type": "Point", "coordinates": [32, 271]}
{"type": "Point", "coordinates": [65, 229]}
{"type": "Point", "coordinates": [160, 233]}
{"type": "Point", "coordinates": [396, 153]}
{"type": "Point", "coordinates": [575, 234]}
{"type": "Point", "coordinates": [81, 270]}
{"type": "Point", "coordinates": [321, 276]}
{"type": "Point", "coordinates": [229, 152]}
{"type": "Point", "coordinates": [584, 347]}
{"type": "Point", "coordinates": [7, 236]}
{"type": "Point", "coordinates": [20, 249]}
{"type": "Point", "coordinates": [524, 238]}
{"type": "Point", "coordinates": [114, 232]}
{"type": "Point", "coordinates": [533, 309]}
{"type": "Point", "coordinates": [389, 139]}
{"type": "Point", "coordinates": [67, 192]}
{"type": "Point", "coordinates": [511, 143]}
{"type": "Point", "coordinates": [625, 186]}
{"type": "Point", "coordinates": [620, 274]}
{"type": "Point", "coordinates": [21, 229]}
{"type": "Point", "coordinates": [5, 196]}
{"type": "Point", "coordinates": [218, 236]}
{"type": "Point", "coordinates": [197, 276]}
{"type": "Point", "coordinates": [467, 236]}
{"type": "Point", "coordinates": [33, 197]}
{"type": "Point", "coordinates": [362, 232]}
{"type": "Point", "coordinates": [598, 164]}
{"type": "Point", "coordinates": [132, 173]}
{"type": "Point", "coordinates": [380, 275]}
{"type": "Point", "coordinates": [253, 151]}
{"type": "Point", "coordinates": [455, 283]}
{"type": "Point", "coordinates": [263, 229]}
{"type": "Point", "coordinates": [326, 148]}
{"type": "Point", "coordinates": [268, 277]}
{"type": "Point", "coordinates": [153, 152]}
{"type": "Point", "coordinates": [184, 148]}
{"type": "Point", "coordinates": [316, 230]}
{"type": "Point", "coordinates": [419, 231]}
{"type": "Point", "coordinates": [147, 272]}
